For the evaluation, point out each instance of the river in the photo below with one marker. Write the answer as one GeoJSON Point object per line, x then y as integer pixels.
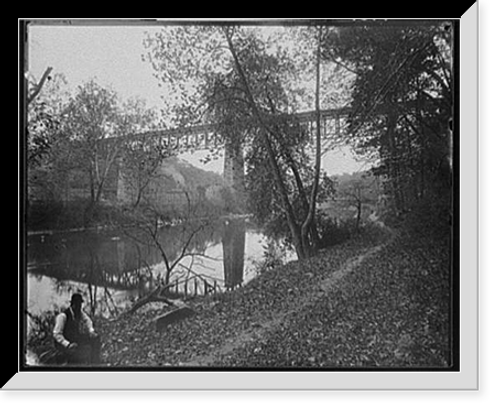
{"type": "Point", "coordinates": [114, 268]}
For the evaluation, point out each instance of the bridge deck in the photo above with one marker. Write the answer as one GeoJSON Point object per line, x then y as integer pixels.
{"type": "Point", "coordinates": [207, 135]}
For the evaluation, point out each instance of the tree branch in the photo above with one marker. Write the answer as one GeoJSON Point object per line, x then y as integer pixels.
{"type": "Point", "coordinates": [154, 296]}
{"type": "Point", "coordinates": [38, 87]}
{"type": "Point", "coordinates": [186, 245]}
{"type": "Point", "coordinates": [392, 79]}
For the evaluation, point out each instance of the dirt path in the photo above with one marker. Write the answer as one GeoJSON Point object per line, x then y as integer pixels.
{"type": "Point", "coordinates": [260, 329]}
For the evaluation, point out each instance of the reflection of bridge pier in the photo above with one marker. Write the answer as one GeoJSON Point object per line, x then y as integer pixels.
{"type": "Point", "coordinates": [233, 244]}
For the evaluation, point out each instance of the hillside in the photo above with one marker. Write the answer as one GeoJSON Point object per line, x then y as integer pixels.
{"type": "Point", "coordinates": [186, 176]}
{"type": "Point", "coordinates": [376, 301]}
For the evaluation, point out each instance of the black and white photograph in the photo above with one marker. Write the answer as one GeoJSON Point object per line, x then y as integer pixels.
{"type": "Point", "coordinates": [255, 195]}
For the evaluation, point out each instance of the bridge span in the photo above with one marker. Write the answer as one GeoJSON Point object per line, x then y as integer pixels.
{"type": "Point", "coordinates": [208, 136]}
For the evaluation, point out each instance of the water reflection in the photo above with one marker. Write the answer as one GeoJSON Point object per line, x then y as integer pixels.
{"type": "Point", "coordinates": [113, 269]}
{"type": "Point", "coordinates": [233, 244]}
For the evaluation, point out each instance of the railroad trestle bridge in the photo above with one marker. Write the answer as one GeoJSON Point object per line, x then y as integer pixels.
{"type": "Point", "coordinates": [208, 136]}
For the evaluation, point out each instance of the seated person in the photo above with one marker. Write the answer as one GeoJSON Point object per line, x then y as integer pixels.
{"type": "Point", "coordinates": [75, 336]}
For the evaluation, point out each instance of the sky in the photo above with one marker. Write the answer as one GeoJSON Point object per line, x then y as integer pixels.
{"type": "Point", "coordinates": [112, 55]}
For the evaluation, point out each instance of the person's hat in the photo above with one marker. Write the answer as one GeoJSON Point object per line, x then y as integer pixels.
{"type": "Point", "coordinates": [77, 297]}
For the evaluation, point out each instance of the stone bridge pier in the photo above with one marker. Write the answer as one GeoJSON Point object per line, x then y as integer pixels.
{"type": "Point", "coordinates": [234, 172]}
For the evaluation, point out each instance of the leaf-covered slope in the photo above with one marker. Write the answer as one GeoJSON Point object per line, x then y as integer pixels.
{"type": "Point", "coordinates": [391, 309]}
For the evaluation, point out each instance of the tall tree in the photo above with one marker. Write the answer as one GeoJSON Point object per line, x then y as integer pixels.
{"type": "Point", "coordinates": [401, 103]}
{"type": "Point", "coordinates": [44, 116]}
{"type": "Point", "coordinates": [234, 78]}
{"type": "Point", "coordinates": [45, 136]}
{"type": "Point", "coordinates": [301, 230]}
{"type": "Point", "coordinates": [307, 223]}
{"type": "Point", "coordinates": [142, 152]}
{"type": "Point", "coordinates": [92, 117]}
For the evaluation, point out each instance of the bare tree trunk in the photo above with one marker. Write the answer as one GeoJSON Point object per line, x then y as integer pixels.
{"type": "Point", "coordinates": [306, 225]}
{"type": "Point", "coordinates": [89, 209]}
{"type": "Point", "coordinates": [38, 87]}
{"type": "Point", "coordinates": [155, 296]}
{"type": "Point", "coordinates": [358, 217]}
{"type": "Point", "coordinates": [303, 199]}
{"type": "Point", "coordinates": [391, 162]}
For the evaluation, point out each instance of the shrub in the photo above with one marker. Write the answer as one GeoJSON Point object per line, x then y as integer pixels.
{"type": "Point", "coordinates": [39, 334]}
{"type": "Point", "coordinates": [332, 232]}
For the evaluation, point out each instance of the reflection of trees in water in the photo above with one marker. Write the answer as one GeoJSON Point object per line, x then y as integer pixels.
{"type": "Point", "coordinates": [105, 265]}
{"type": "Point", "coordinates": [175, 246]}
{"type": "Point", "coordinates": [200, 233]}
{"type": "Point", "coordinates": [191, 275]}
{"type": "Point", "coordinates": [117, 262]}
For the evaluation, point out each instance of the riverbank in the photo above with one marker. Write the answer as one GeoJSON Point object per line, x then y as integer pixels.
{"type": "Point", "coordinates": [113, 228]}
{"type": "Point", "coordinates": [370, 302]}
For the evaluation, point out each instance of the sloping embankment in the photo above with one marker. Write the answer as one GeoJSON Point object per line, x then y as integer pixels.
{"type": "Point", "coordinates": [365, 303]}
